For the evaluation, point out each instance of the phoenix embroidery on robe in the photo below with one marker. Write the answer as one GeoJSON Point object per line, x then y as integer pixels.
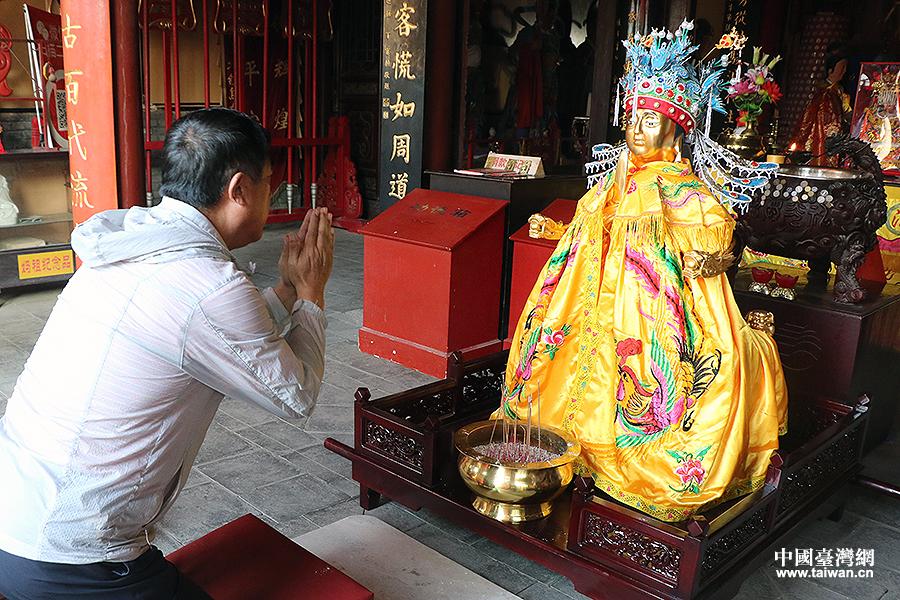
{"type": "Point", "coordinates": [646, 410]}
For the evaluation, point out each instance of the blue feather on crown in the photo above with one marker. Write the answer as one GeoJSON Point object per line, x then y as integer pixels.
{"type": "Point", "coordinates": [660, 75]}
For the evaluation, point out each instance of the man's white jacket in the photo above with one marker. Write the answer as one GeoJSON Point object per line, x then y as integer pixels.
{"type": "Point", "coordinates": [114, 402]}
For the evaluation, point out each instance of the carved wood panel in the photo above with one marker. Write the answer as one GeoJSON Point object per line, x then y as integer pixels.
{"type": "Point", "coordinates": [633, 546]}
{"type": "Point", "coordinates": [159, 14]}
{"type": "Point", "coordinates": [416, 410]}
{"type": "Point", "coordinates": [393, 444]}
{"type": "Point", "coordinates": [819, 472]}
{"type": "Point", "coordinates": [250, 17]}
{"type": "Point", "coordinates": [483, 385]}
{"type": "Point", "coordinates": [731, 544]}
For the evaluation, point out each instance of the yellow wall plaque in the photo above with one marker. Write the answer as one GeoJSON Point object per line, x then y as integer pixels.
{"type": "Point", "coordinates": [46, 264]}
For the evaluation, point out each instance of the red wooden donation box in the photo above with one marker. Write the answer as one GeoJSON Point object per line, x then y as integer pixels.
{"type": "Point", "coordinates": [529, 257]}
{"type": "Point", "coordinates": [432, 272]}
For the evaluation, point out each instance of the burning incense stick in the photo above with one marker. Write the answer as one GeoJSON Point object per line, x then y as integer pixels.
{"type": "Point", "coordinates": [528, 433]}
{"type": "Point", "coordinates": [514, 449]}
{"type": "Point", "coordinates": [539, 415]}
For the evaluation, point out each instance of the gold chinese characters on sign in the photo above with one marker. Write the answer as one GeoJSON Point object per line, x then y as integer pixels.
{"type": "Point", "coordinates": [400, 147]}
{"type": "Point", "coordinates": [403, 65]}
{"type": "Point", "coordinates": [399, 181]}
{"type": "Point", "coordinates": [75, 132]}
{"type": "Point", "coordinates": [404, 17]}
{"type": "Point", "coordinates": [78, 183]}
{"type": "Point", "coordinates": [72, 86]}
{"type": "Point", "coordinates": [69, 37]}
{"type": "Point", "coordinates": [401, 108]}
{"type": "Point", "coordinates": [404, 46]}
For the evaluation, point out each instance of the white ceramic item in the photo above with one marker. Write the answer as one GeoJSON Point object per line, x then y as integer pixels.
{"type": "Point", "coordinates": [9, 212]}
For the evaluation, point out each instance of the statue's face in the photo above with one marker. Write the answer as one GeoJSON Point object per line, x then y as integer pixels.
{"type": "Point", "coordinates": [649, 134]}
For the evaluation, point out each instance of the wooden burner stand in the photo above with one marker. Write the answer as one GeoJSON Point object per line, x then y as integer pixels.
{"type": "Point", "coordinates": [403, 451]}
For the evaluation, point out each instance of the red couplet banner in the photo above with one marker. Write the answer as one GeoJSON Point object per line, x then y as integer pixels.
{"type": "Point", "coordinates": [85, 31]}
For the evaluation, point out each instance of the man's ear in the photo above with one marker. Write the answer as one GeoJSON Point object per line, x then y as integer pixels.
{"type": "Point", "coordinates": [237, 188]}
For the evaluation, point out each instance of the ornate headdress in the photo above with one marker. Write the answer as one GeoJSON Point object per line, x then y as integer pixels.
{"type": "Point", "coordinates": [660, 76]}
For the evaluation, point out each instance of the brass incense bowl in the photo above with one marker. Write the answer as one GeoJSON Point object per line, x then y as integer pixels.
{"type": "Point", "coordinates": [513, 493]}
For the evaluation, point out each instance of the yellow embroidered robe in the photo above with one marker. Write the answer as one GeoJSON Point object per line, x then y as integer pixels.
{"type": "Point", "coordinates": [676, 401]}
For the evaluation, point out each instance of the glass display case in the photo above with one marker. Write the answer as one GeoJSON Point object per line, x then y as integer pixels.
{"type": "Point", "coordinates": [35, 196]}
{"type": "Point", "coordinates": [35, 217]}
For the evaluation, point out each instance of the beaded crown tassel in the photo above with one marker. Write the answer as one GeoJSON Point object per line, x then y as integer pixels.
{"type": "Point", "coordinates": [660, 76]}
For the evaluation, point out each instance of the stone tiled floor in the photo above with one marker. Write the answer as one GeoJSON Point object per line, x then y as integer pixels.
{"type": "Point", "coordinates": [277, 469]}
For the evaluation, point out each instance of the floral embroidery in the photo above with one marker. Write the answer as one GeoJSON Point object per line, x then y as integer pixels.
{"type": "Point", "coordinates": [689, 470]}
{"type": "Point", "coordinates": [554, 339]}
{"type": "Point", "coordinates": [526, 357]}
{"type": "Point", "coordinates": [531, 332]}
{"type": "Point", "coordinates": [632, 187]}
{"type": "Point", "coordinates": [629, 347]}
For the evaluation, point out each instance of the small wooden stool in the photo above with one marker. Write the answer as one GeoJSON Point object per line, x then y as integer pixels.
{"type": "Point", "coordinates": [248, 559]}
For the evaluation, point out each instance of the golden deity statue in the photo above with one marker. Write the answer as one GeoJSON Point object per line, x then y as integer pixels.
{"type": "Point", "coordinates": [631, 337]}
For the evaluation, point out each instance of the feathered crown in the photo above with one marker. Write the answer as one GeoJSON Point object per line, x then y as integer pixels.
{"type": "Point", "coordinates": [660, 76]}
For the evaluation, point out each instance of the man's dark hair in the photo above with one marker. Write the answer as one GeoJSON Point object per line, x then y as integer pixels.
{"type": "Point", "coordinates": [203, 151]}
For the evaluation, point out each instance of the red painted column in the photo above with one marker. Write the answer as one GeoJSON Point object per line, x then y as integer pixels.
{"type": "Point", "coordinates": [129, 128]}
{"type": "Point", "coordinates": [441, 74]}
{"type": "Point", "coordinates": [87, 53]}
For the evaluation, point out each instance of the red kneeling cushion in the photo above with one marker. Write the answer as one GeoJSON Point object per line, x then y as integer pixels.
{"type": "Point", "coordinates": [248, 559]}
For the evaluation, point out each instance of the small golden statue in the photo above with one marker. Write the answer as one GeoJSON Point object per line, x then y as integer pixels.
{"type": "Point", "coordinates": [761, 320]}
{"type": "Point", "coordinates": [540, 226]}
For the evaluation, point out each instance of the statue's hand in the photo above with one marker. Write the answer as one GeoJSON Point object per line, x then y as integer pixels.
{"type": "Point", "coordinates": [696, 263]}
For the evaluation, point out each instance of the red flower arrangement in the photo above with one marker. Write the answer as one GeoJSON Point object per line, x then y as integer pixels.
{"type": "Point", "coordinates": [754, 89]}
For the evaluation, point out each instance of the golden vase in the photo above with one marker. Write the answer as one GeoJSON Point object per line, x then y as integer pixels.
{"type": "Point", "coordinates": [748, 143]}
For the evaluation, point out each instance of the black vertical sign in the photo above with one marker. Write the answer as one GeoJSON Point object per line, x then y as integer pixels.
{"type": "Point", "coordinates": [402, 98]}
